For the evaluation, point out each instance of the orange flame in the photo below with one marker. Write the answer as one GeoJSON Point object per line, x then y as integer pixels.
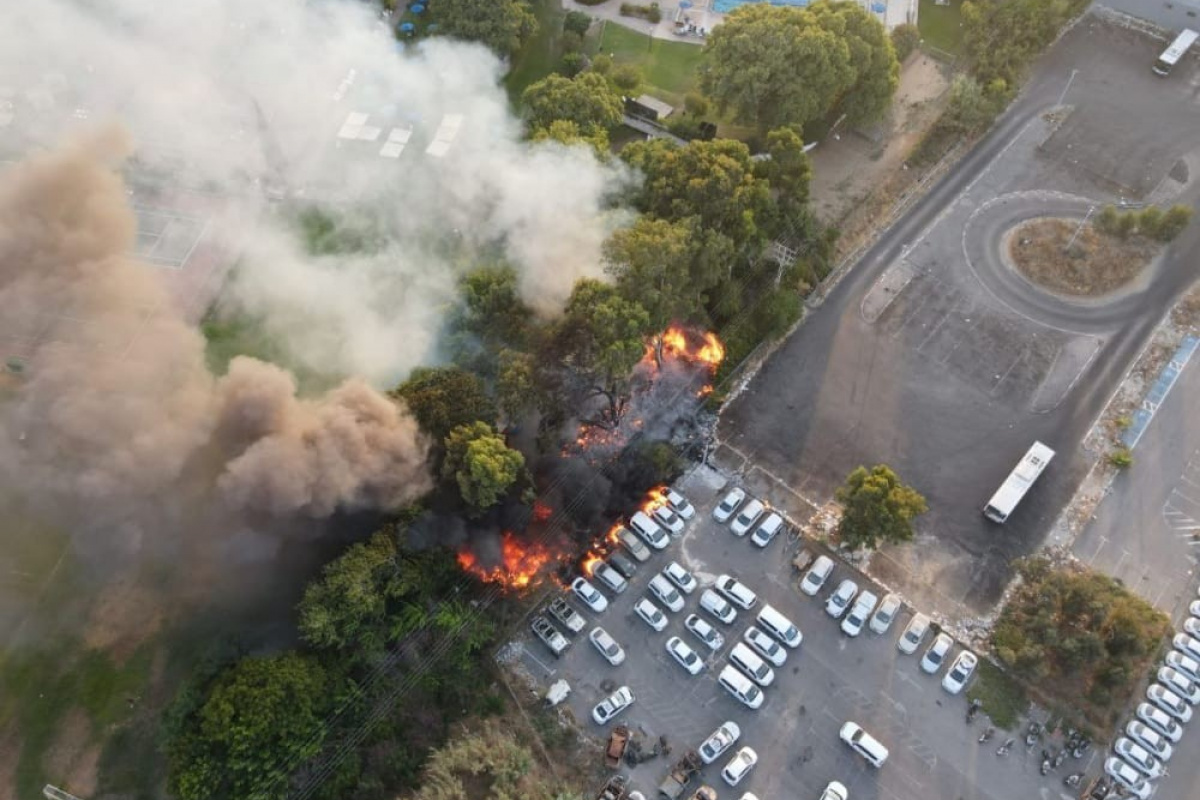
{"type": "Point", "coordinates": [678, 343]}
{"type": "Point", "coordinates": [611, 536]}
{"type": "Point", "coordinates": [656, 498]}
{"type": "Point", "coordinates": [541, 511]}
{"type": "Point", "coordinates": [589, 563]}
{"type": "Point", "coordinates": [520, 563]}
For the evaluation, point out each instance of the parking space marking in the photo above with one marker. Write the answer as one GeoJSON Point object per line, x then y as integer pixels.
{"type": "Point", "coordinates": [537, 660]}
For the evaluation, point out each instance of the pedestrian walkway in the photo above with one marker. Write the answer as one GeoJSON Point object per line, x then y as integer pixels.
{"type": "Point", "coordinates": [698, 12]}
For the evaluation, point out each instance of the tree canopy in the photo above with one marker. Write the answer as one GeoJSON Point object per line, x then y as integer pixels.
{"type": "Point", "coordinates": [564, 131]}
{"type": "Point", "coordinates": [442, 398]}
{"type": "Point", "coordinates": [502, 25]}
{"type": "Point", "coordinates": [481, 464]}
{"type": "Point", "coordinates": [1003, 36]}
{"type": "Point", "coordinates": [667, 267]}
{"type": "Point", "coordinates": [586, 100]}
{"type": "Point", "coordinates": [713, 181]}
{"type": "Point", "coordinates": [348, 604]}
{"type": "Point", "coordinates": [780, 65]}
{"type": "Point", "coordinates": [262, 718]}
{"type": "Point", "coordinates": [877, 508]}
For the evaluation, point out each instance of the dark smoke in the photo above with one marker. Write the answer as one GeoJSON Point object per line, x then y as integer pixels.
{"type": "Point", "coordinates": [117, 422]}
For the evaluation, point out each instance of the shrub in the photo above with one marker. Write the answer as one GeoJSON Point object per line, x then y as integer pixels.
{"type": "Point", "coordinates": [1173, 222]}
{"type": "Point", "coordinates": [577, 22]}
{"type": "Point", "coordinates": [905, 39]}
{"type": "Point", "coordinates": [651, 13]}
{"type": "Point", "coordinates": [1149, 221]}
{"type": "Point", "coordinates": [572, 64]}
{"type": "Point", "coordinates": [627, 78]}
{"type": "Point", "coordinates": [572, 42]}
{"type": "Point", "coordinates": [602, 64]}
{"type": "Point", "coordinates": [695, 104]}
{"type": "Point", "coordinates": [1120, 458]}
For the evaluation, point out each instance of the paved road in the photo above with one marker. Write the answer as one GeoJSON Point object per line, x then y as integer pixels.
{"type": "Point", "coordinates": [953, 419]}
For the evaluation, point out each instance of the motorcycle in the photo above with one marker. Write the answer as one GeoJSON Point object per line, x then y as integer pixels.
{"type": "Point", "coordinates": [987, 734]}
{"type": "Point", "coordinates": [972, 710]}
{"type": "Point", "coordinates": [1004, 749]}
{"type": "Point", "coordinates": [1059, 758]}
{"type": "Point", "coordinates": [1035, 733]}
{"type": "Point", "coordinates": [1045, 764]}
{"type": "Point", "coordinates": [1073, 779]}
{"type": "Point", "coordinates": [1079, 749]}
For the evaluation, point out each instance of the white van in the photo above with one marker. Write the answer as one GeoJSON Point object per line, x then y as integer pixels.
{"type": "Point", "coordinates": [649, 530]}
{"type": "Point", "coordinates": [740, 687]}
{"type": "Point", "coordinates": [780, 627]}
{"type": "Point", "coordinates": [748, 662]}
{"type": "Point", "coordinates": [864, 744]}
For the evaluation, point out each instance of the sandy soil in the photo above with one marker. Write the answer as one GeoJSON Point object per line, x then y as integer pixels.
{"type": "Point", "coordinates": [122, 617]}
{"type": "Point", "coordinates": [73, 757]}
{"type": "Point", "coordinates": [853, 166]}
{"type": "Point", "coordinates": [1096, 265]}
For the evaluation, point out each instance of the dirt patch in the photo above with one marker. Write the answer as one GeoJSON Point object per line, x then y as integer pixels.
{"type": "Point", "coordinates": [1186, 313]}
{"type": "Point", "coordinates": [850, 170]}
{"type": "Point", "coordinates": [1062, 257]}
{"type": "Point", "coordinates": [72, 760]}
{"type": "Point", "coordinates": [124, 615]}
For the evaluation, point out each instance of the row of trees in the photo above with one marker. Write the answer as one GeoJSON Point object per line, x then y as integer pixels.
{"type": "Point", "coordinates": [1151, 222]}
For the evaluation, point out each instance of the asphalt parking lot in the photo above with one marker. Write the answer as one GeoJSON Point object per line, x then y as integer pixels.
{"type": "Point", "coordinates": [830, 679]}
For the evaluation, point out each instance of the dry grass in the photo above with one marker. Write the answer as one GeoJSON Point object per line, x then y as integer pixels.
{"type": "Point", "coordinates": [1187, 312]}
{"type": "Point", "coordinates": [1095, 265]}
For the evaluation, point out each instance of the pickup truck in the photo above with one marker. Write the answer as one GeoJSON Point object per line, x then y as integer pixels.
{"type": "Point", "coordinates": [617, 740]}
{"type": "Point", "coordinates": [549, 635]}
{"type": "Point", "coordinates": [562, 611]}
{"type": "Point", "coordinates": [615, 788]}
{"type": "Point", "coordinates": [680, 776]}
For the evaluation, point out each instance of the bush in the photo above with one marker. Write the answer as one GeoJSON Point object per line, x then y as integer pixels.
{"type": "Point", "coordinates": [1107, 220]}
{"type": "Point", "coordinates": [695, 104]}
{"type": "Point", "coordinates": [905, 39]}
{"type": "Point", "coordinates": [651, 13]}
{"type": "Point", "coordinates": [1149, 220]}
{"type": "Point", "coordinates": [685, 127]}
{"type": "Point", "coordinates": [572, 42]}
{"type": "Point", "coordinates": [1173, 222]}
{"type": "Point", "coordinates": [602, 64]}
{"type": "Point", "coordinates": [1121, 458]}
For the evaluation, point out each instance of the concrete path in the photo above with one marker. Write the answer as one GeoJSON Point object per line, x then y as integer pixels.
{"type": "Point", "coordinates": [610, 11]}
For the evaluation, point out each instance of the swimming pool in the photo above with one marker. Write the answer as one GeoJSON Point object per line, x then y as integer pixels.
{"type": "Point", "coordinates": [725, 6]}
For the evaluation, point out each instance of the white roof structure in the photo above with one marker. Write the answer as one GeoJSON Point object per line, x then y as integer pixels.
{"type": "Point", "coordinates": [353, 125]}
{"type": "Point", "coordinates": [396, 142]}
{"type": "Point", "coordinates": [445, 135]}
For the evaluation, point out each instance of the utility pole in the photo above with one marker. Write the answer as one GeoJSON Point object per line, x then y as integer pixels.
{"type": "Point", "coordinates": [1075, 235]}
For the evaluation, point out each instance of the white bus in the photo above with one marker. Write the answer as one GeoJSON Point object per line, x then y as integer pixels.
{"type": "Point", "coordinates": [1018, 482]}
{"type": "Point", "coordinates": [1176, 51]}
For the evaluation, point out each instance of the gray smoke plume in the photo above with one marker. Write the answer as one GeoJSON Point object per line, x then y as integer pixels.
{"type": "Point", "coordinates": [117, 415]}
{"type": "Point", "coordinates": [297, 99]}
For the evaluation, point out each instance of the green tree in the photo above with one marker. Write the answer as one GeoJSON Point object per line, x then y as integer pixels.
{"type": "Point", "coordinates": [972, 108]}
{"type": "Point", "coordinates": [481, 464]}
{"type": "Point", "coordinates": [627, 78]}
{"type": "Point", "coordinates": [577, 22]}
{"type": "Point", "coordinates": [347, 606]}
{"type": "Point", "coordinates": [1003, 36]}
{"type": "Point", "coordinates": [1149, 219]}
{"type": "Point", "coordinates": [906, 39]}
{"type": "Point", "coordinates": [261, 719]}
{"type": "Point", "coordinates": [587, 100]}
{"type": "Point", "coordinates": [667, 267]}
{"type": "Point", "coordinates": [877, 508]}
{"type": "Point", "coordinates": [875, 71]}
{"type": "Point", "coordinates": [600, 338]}
{"type": "Point", "coordinates": [502, 25]}
{"type": "Point", "coordinates": [568, 133]}
{"type": "Point", "coordinates": [602, 64]}
{"type": "Point", "coordinates": [516, 383]}
{"type": "Point", "coordinates": [715, 182]}
{"type": "Point", "coordinates": [442, 398]}
{"type": "Point", "coordinates": [572, 65]}
{"type": "Point", "coordinates": [1173, 222]}
{"type": "Point", "coordinates": [788, 169]}
{"type": "Point", "coordinates": [1106, 220]}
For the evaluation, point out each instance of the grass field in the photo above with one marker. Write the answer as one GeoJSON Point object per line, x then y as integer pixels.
{"type": "Point", "coordinates": [668, 68]}
{"type": "Point", "coordinates": [1003, 699]}
{"type": "Point", "coordinates": [540, 55]}
{"type": "Point", "coordinates": [941, 25]}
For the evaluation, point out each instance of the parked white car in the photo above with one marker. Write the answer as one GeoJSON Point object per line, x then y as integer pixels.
{"type": "Point", "coordinates": [589, 594]}
{"type": "Point", "coordinates": [1158, 720]}
{"type": "Point", "coordinates": [737, 592]}
{"type": "Point", "coordinates": [766, 646]}
{"type": "Point", "coordinates": [685, 656]}
{"type": "Point", "coordinates": [816, 576]}
{"type": "Point", "coordinates": [739, 766]}
{"type": "Point", "coordinates": [852, 625]}
{"type": "Point", "coordinates": [835, 791]}
{"type": "Point", "coordinates": [885, 615]}
{"type": "Point", "coordinates": [1128, 778]}
{"type": "Point", "coordinates": [609, 577]}
{"type": "Point", "coordinates": [1191, 626]}
{"type": "Point", "coordinates": [1141, 758]}
{"type": "Point", "coordinates": [839, 601]}
{"type": "Point", "coordinates": [1185, 664]}
{"type": "Point", "coordinates": [705, 632]}
{"type": "Point", "coordinates": [612, 705]}
{"type": "Point", "coordinates": [767, 529]}
{"type": "Point", "coordinates": [749, 662]}
{"type": "Point", "coordinates": [679, 576]}
{"type": "Point", "coordinates": [746, 518]}
{"type": "Point", "coordinates": [718, 606]}
{"type": "Point", "coordinates": [651, 614]}
{"type": "Point", "coordinates": [741, 687]}
{"type": "Point", "coordinates": [960, 672]}
{"type": "Point", "coordinates": [681, 505]}
{"type": "Point", "coordinates": [1150, 739]}
{"type": "Point", "coordinates": [1188, 645]}
{"type": "Point", "coordinates": [1169, 702]}
{"type": "Point", "coordinates": [729, 504]}
{"type": "Point", "coordinates": [665, 515]}
{"type": "Point", "coordinates": [650, 531]}
{"type": "Point", "coordinates": [1179, 683]}
{"type": "Point", "coordinates": [936, 654]}
{"type": "Point", "coordinates": [613, 653]}
{"type": "Point", "coordinates": [719, 741]}
{"type": "Point", "coordinates": [667, 593]}
{"type": "Point", "coordinates": [914, 632]}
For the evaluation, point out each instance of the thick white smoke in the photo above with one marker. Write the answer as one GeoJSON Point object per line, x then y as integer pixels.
{"type": "Point", "coordinates": [240, 97]}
